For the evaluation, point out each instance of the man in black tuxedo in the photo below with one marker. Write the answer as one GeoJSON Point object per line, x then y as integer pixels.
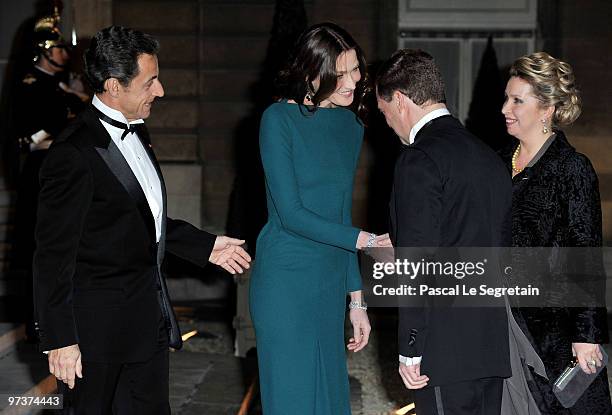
{"type": "Point", "coordinates": [102, 305]}
{"type": "Point", "coordinates": [449, 190]}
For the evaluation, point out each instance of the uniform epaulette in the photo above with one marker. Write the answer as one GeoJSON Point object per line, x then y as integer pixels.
{"type": "Point", "coordinates": [29, 79]}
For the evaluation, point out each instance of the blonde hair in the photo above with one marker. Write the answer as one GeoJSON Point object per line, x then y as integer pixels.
{"type": "Point", "coordinates": [553, 84]}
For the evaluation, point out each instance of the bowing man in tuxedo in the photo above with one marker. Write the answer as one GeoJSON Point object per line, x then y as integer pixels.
{"type": "Point", "coordinates": [103, 310]}
{"type": "Point", "coordinates": [449, 190]}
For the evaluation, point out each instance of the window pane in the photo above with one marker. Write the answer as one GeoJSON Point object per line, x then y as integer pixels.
{"type": "Point", "coordinates": [506, 50]}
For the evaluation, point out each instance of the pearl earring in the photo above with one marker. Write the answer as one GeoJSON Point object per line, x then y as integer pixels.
{"type": "Point", "coordinates": [544, 127]}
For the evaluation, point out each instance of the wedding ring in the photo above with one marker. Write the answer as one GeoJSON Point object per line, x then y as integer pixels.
{"type": "Point", "coordinates": [591, 363]}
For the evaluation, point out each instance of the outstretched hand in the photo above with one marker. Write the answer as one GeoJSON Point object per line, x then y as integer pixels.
{"type": "Point", "coordinates": [229, 255]}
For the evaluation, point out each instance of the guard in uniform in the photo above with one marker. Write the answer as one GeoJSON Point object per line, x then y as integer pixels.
{"type": "Point", "coordinates": [44, 105]}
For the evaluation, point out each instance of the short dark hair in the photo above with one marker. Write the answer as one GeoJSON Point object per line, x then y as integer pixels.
{"type": "Point", "coordinates": [414, 73]}
{"type": "Point", "coordinates": [114, 52]}
{"type": "Point", "coordinates": [315, 55]}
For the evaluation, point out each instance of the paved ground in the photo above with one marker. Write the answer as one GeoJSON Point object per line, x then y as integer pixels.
{"type": "Point", "coordinates": [202, 383]}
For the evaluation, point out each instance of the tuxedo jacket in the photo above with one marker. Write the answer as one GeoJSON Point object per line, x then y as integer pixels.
{"type": "Point", "coordinates": [451, 190]}
{"type": "Point", "coordinates": [97, 277]}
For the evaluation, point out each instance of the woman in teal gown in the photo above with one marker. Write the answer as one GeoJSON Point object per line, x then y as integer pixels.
{"type": "Point", "coordinates": [306, 261]}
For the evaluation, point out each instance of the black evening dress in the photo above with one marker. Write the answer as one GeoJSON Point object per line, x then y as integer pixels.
{"type": "Point", "coordinates": [556, 203]}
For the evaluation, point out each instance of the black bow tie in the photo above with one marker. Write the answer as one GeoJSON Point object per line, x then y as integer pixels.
{"type": "Point", "coordinates": [128, 128]}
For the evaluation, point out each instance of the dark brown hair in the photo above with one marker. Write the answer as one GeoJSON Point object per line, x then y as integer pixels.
{"type": "Point", "coordinates": [315, 55]}
{"type": "Point", "coordinates": [414, 73]}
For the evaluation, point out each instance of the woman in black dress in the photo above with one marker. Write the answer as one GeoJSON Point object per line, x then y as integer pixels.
{"type": "Point", "coordinates": [555, 204]}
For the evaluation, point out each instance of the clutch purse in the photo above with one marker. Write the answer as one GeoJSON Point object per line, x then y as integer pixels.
{"type": "Point", "coordinates": [572, 383]}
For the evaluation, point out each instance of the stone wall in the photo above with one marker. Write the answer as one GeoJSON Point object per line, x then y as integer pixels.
{"type": "Point", "coordinates": [211, 56]}
{"type": "Point", "coordinates": [235, 38]}
{"type": "Point", "coordinates": [584, 35]}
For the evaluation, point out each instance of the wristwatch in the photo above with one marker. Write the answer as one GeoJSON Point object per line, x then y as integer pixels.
{"type": "Point", "coordinates": [358, 304]}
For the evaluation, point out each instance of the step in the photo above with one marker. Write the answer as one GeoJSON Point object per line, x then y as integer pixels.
{"type": "Point", "coordinates": [25, 371]}
{"type": "Point", "coordinates": [202, 383]}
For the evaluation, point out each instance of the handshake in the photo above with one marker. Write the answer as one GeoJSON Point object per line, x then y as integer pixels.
{"type": "Point", "coordinates": [229, 254]}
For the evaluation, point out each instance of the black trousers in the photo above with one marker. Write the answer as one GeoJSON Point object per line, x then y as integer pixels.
{"type": "Point", "coordinates": [132, 388]}
{"type": "Point", "coordinates": [474, 397]}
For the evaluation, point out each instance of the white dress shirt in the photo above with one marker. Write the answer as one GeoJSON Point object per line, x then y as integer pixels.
{"type": "Point", "coordinates": [137, 158]}
{"type": "Point", "coordinates": [409, 361]}
{"type": "Point", "coordinates": [426, 118]}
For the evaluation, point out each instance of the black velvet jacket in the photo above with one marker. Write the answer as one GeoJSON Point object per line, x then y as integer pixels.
{"type": "Point", "coordinates": [556, 203]}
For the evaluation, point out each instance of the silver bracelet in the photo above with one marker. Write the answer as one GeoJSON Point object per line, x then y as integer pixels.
{"type": "Point", "coordinates": [371, 239]}
{"type": "Point", "coordinates": [358, 304]}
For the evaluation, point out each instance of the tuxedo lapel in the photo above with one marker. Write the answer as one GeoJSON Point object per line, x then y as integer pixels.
{"type": "Point", "coordinates": [122, 171]}
{"type": "Point", "coordinates": [115, 161]}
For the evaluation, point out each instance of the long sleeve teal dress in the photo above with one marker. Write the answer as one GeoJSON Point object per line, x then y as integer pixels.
{"type": "Point", "coordinates": [306, 260]}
